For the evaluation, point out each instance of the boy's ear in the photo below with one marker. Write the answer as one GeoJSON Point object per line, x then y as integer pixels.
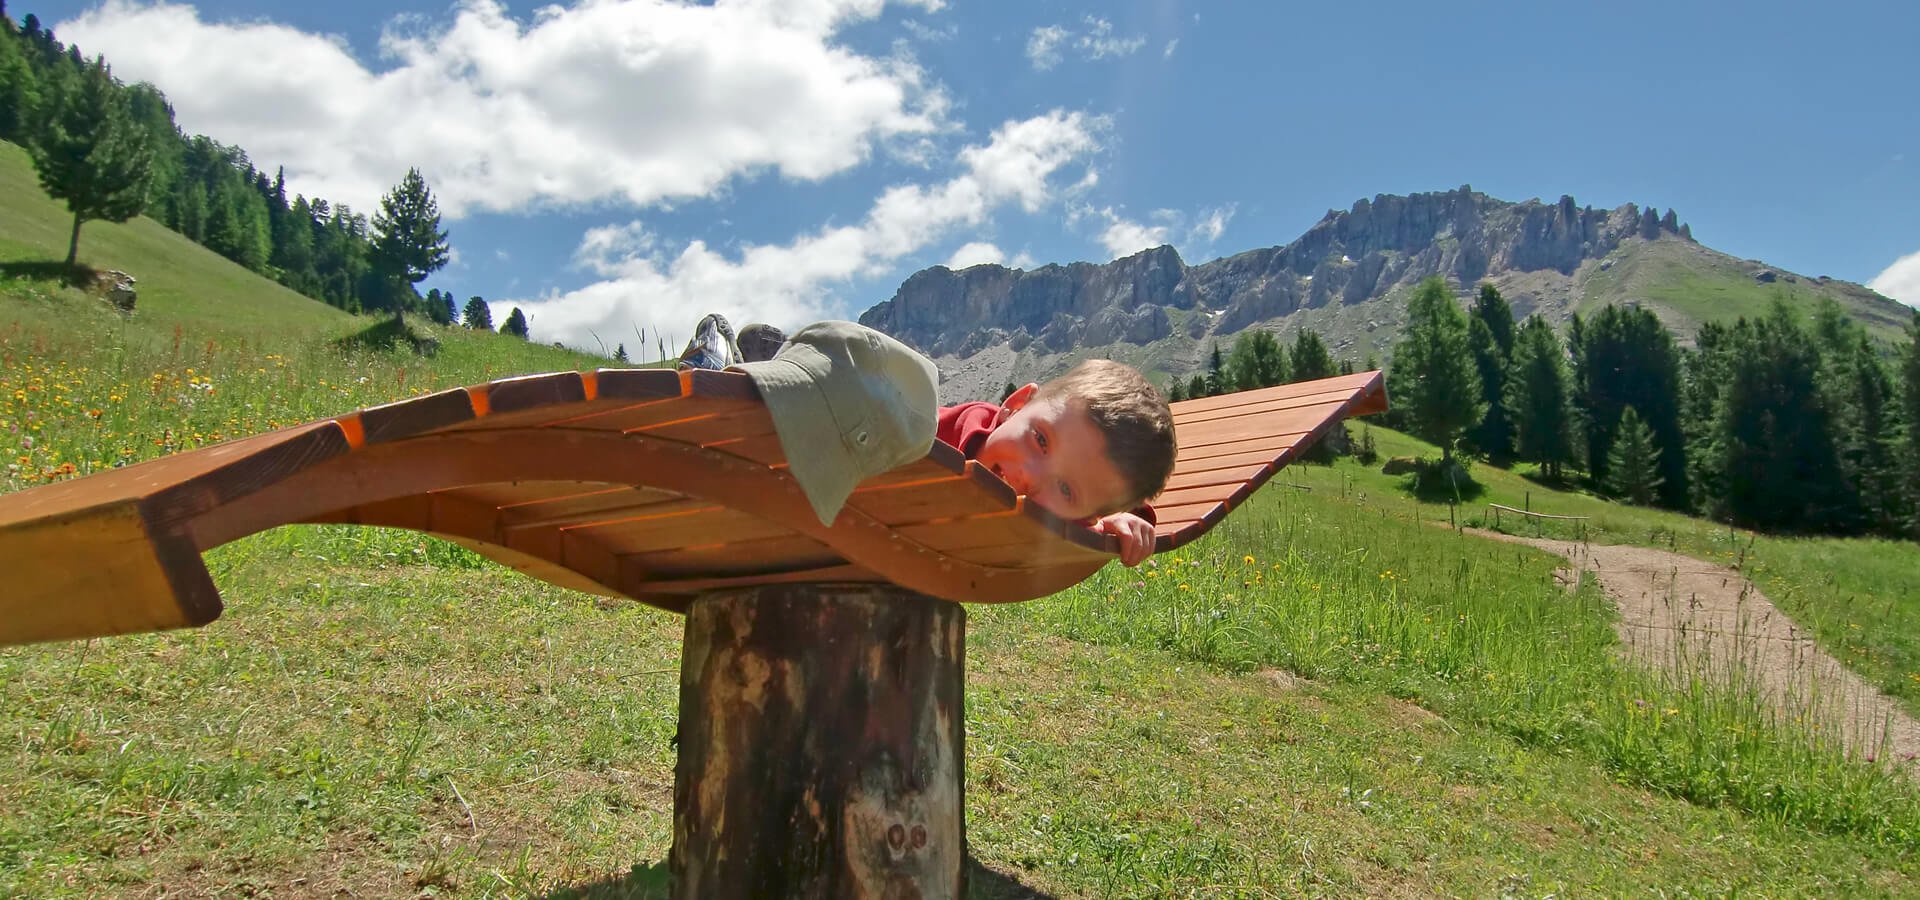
{"type": "Point", "coordinates": [1018, 399]}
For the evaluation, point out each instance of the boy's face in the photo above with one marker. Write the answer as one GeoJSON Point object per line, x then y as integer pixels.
{"type": "Point", "coordinates": [1051, 451]}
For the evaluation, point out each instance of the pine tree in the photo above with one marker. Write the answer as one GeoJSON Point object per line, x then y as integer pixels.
{"type": "Point", "coordinates": [440, 307]}
{"type": "Point", "coordinates": [620, 354]}
{"type": "Point", "coordinates": [1310, 360]}
{"type": "Point", "coordinates": [516, 324]}
{"type": "Point", "coordinates": [1176, 391]}
{"type": "Point", "coordinates": [1432, 376]}
{"type": "Point", "coordinates": [90, 154]}
{"type": "Point", "coordinates": [1703, 394]}
{"type": "Point", "coordinates": [1911, 369]}
{"type": "Point", "coordinates": [478, 314]}
{"type": "Point", "coordinates": [1779, 460]}
{"type": "Point", "coordinates": [19, 89]}
{"type": "Point", "coordinates": [1490, 334]}
{"type": "Point", "coordinates": [1629, 359]}
{"type": "Point", "coordinates": [1218, 381]}
{"type": "Point", "coordinates": [408, 243]}
{"type": "Point", "coordinates": [1633, 469]}
{"type": "Point", "coordinates": [1197, 387]}
{"type": "Point", "coordinates": [1869, 442]}
{"type": "Point", "coordinates": [1538, 398]}
{"type": "Point", "coordinates": [1257, 360]}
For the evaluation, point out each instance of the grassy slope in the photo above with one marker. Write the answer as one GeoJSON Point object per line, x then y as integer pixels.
{"type": "Point", "coordinates": [1859, 596]}
{"type": "Point", "coordinates": [1688, 284]}
{"type": "Point", "coordinates": [380, 712]}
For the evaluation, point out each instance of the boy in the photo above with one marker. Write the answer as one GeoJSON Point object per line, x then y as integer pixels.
{"type": "Point", "coordinates": [1085, 446]}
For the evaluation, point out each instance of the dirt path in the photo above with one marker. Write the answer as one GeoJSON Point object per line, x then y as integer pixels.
{"type": "Point", "coordinates": [1678, 612]}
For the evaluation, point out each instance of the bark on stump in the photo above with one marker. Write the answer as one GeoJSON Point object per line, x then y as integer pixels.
{"type": "Point", "coordinates": [820, 745]}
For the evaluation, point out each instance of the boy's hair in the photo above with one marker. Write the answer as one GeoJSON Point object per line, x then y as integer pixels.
{"type": "Point", "coordinates": [1132, 415]}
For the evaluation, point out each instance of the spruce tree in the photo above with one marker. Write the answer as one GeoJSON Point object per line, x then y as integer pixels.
{"type": "Point", "coordinates": [620, 354]}
{"type": "Point", "coordinates": [1432, 376]}
{"type": "Point", "coordinates": [1538, 399]}
{"type": "Point", "coordinates": [1703, 393]}
{"type": "Point", "coordinates": [1633, 469]}
{"type": "Point", "coordinates": [516, 324]}
{"type": "Point", "coordinates": [1197, 387]}
{"type": "Point", "coordinates": [1779, 461]}
{"type": "Point", "coordinates": [1491, 337]}
{"type": "Point", "coordinates": [1257, 360]}
{"type": "Point", "coordinates": [1629, 359]}
{"type": "Point", "coordinates": [1176, 390]}
{"type": "Point", "coordinates": [1218, 381]}
{"type": "Point", "coordinates": [478, 314]}
{"type": "Point", "coordinates": [1310, 360]}
{"type": "Point", "coordinates": [1911, 369]}
{"type": "Point", "coordinates": [407, 241]}
{"type": "Point", "coordinates": [19, 88]}
{"type": "Point", "coordinates": [89, 153]}
{"type": "Point", "coordinates": [1870, 441]}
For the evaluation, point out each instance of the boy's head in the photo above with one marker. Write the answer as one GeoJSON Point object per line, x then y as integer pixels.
{"type": "Point", "coordinates": [1094, 441]}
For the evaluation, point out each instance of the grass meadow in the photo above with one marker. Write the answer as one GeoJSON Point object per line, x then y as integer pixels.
{"type": "Point", "coordinates": [1326, 696]}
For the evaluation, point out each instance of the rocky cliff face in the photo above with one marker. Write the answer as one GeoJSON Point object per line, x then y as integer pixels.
{"type": "Point", "coordinates": [1346, 258]}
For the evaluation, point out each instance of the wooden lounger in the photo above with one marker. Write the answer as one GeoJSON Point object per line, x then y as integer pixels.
{"type": "Point", "coordinates": [650, 484]}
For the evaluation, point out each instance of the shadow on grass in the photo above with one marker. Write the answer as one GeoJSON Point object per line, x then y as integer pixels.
{"type": "Point", "coordinates": [652, 882]}
{"type": "Point", "coordinates": [78, 275]}
{"type": "Point", "coordinates": [386, 334]}
{"type": "Point", "coordinates": [1430, 483]}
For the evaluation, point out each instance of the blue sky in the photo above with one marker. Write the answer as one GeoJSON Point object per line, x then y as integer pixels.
{"type": "Point", "coordinates": [616, 165]}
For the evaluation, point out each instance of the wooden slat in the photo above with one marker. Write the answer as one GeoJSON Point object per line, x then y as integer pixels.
{"type": "Point", "coordinates": [1341, 383]}
{"type": "Point", "coordinates": [1220, 431]}
{"type": "Point", "coordinates": [974, 493]}
{"type": "Point", "coordinates": [634, 482]}
{"type": "Point", "coordinates": [1245, 453]}
{"type": "Point", "coordinates": [709, 524]}
{"type": "Point", "coordinates": [786, 552]}
{"type": "Point", "coordinates": [1231, 474]}
{"type": "Point", "coordinates": [1269, 407]}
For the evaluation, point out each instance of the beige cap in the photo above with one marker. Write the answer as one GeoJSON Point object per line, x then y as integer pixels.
{"type": "Point", "coordinates": [848, 403]}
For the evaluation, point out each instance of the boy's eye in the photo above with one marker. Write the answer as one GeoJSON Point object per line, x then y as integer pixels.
{"type": "Point", "coordinates": [1040, 437]}
{"type": "Point", "coordinates": [1066, 493]}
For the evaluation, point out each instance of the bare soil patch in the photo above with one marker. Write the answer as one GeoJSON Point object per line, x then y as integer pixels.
{"type": "Point", "coordinates": [1695, 618]}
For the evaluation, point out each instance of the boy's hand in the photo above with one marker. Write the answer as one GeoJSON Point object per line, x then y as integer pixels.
{"type": "Point", "coordinates": [1135, 534]}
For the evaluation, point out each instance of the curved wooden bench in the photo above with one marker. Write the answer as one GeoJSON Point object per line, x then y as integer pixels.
{"type": "Point", "coordinates": [644, 483]}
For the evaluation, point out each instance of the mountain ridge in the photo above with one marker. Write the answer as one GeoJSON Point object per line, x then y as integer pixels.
{"type": "Point", "coordinates": [1344, 277]}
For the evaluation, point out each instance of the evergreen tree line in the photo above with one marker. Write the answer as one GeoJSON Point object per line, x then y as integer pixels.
{"type": "Point", "coordinates": [1258, 360]}
{"type": "Point", "coordinates": [1781, 422]}
{"type": "Point", "coordinates": [113, 151]}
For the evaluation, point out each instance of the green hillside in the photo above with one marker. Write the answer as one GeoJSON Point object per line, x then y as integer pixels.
{"type": "Point", "coordinates": [1688, 284]}
{"type": "Point", "coordinates": [1326, 696]}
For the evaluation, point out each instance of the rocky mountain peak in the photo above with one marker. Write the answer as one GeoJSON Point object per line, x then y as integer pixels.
{"type": "Point", "coordinates": [1347, 257]}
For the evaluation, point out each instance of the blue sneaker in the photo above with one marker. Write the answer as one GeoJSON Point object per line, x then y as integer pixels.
{"type": "Point", "coordinates": [712, 346]}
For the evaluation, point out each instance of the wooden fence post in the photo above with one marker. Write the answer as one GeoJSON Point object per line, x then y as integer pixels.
{"type": "Point", "coordinates": [820, 745]}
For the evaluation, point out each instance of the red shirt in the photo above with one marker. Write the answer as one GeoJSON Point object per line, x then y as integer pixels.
{"type": "Point", "coordinates": [967, 425]}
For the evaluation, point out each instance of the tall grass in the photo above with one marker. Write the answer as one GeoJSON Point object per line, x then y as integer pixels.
{"type": "Point", "coordinates": [1329, 589]}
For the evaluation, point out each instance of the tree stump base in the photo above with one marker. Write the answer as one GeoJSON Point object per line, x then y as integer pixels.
{"type": "Point", "coordinates": [820, 745]}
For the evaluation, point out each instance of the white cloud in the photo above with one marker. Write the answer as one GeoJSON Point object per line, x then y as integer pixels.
{"type": "Point", "coordinates": [1043, 46]}
{"type": "Point", "coordinates": [975, 253]}
{"type": "Point", "coordinates": [1211, 225]}
{"type": "Point", "coordinates": [1023, 260]}
{"type": "Point", "coordinates": [791, 284]}
{"type": "Point", "coordinates": [1099, 42]}
{"type": "Point", "coordinates": [929, 34]}
{"type": "Point", "coordinates": [1046, 44]}
{"type": "Point", "coordinates": [1168, 52]}
{"type": "Point", "coordinates": [1121, 236]}
{"type": "Point", "coordinates": [638, 101]}
{"type": "Point", "coordinates": [1901, 281]}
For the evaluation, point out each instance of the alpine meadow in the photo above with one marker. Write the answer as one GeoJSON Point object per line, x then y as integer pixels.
{"type": "Point", "coordinates": [1620, 596]}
